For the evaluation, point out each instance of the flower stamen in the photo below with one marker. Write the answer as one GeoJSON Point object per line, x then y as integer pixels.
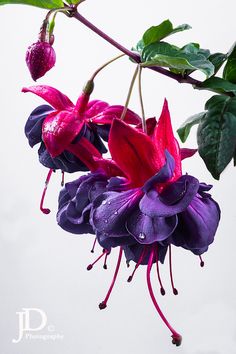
{"type": "Point", "coordinates": [176, 337]}
{"type": "Point", "coordinates": [175, 291]}
{"type": "Point", "coordinates": [162, 290]}
{"type": "Point", "coordinates": [137, 265]}
{"type": "Point", "coordinates": [94, 244]}
{"type": "Point", "coordinates": [45, 210]}
{"type": "Point", "coordinates": [90, 266]}
{"type": "Point", "coordinates": [103, 304]}
{"type": "Point", "coordinates": [202, 263]}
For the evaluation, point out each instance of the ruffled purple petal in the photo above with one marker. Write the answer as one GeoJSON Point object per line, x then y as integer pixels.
{"type": "Point", "coordinates": [111, 209]}
{"type": "Point", "coordinates": [75, 202]}
{"type": "Point", "coordinates": [33, 126]}
{"type": "Point", "coordinates": [108, 242]}
{"type": "Point", "coordinates": [147, 230]}
{"type": "Point", "coordinates": [175, 198]}
{"type": "Point", "coordinates": [197, 225]}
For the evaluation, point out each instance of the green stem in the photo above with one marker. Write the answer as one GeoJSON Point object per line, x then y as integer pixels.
{"type": "Point", "coordinates": [144, 125]}
{"type": "Point", "coordinates": [129, 93]}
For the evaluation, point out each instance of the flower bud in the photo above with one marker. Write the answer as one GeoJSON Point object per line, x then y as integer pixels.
{"type": "Point", "coordinates": [40, 58]}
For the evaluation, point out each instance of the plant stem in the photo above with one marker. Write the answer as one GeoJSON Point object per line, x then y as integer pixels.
{"type": "Point", "coordinates": [133, 55]}
{"type": "Point", "coordinates": [104, 65]}
{"type": "Point", "coordinates": [129, 93]}
{"type": "Point", "coordinates": [144, 125]}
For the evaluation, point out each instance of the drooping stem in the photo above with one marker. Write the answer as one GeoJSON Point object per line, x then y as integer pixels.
{"type": "Point", "coordinates": [104, 65]}
{"type": "Point", "coordinates": [175, 335]}
{"type": "Point", "coordinates": [144, 125]}
{"type": "Point", "coordinates": [135, 56]}
{"type": "Point", "coordinates": [129, 93]}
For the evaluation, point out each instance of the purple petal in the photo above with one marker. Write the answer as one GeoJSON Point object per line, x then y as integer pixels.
{"type": "Point", "coordinates": [173, 200]}
{"type": "Point", "coordinates": [108, 242]}
{"type": "Point", "coordinates": [134, 252]}
{"type": "Point", "coordinates": [197, 225]}
{"type": "Point", "coordinates": [111, 209]}
{"type": "Point", "coordinates": [147, 230]}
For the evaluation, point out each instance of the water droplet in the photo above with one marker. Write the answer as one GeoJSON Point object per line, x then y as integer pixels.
{"type": "Point", "coordinates": [109, 203]}
{"type": "Point", "coordinates": [104, 202]}
{"type": "Point", "coordinates": [116, 212]}
{"type": "Point", "coordinates": [91, 121]}
{"type": "Point", "coordinates": [142, 236]}
{"type": "Point", "coordinates": [106, 221]}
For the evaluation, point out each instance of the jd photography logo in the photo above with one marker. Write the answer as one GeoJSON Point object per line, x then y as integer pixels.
{"type": "Point", "coordinates": [33, 325]}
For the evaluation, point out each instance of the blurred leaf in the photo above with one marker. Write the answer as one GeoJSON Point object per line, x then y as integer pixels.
{"type": "Point", "coordinates": [219, 85]}
{"type": "Point", "coordinates": [217, 134]}
{"type": "Point", "coordinates": [156, 33]}
{"type": "Point", "coordinates": [45, 4]}
{"type": "Point", "coordinates": [167, 55]}
{"type": "Point", "coordinates": [185, 128]}
{"type": "Point", "coordinates": [229, 72]}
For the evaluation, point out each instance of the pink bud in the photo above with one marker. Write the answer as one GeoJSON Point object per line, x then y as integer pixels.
{"type": "Point", "coordinates": [40, 58]}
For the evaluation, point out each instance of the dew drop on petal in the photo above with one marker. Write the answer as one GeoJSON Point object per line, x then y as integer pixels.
{"type": "Point", "coordinates": [104, 202]}
{"type": "Point", "coordinates": [106, 221]}
{"type": "Point", "coordinates": [109, 203]}
{"type": "Point", "coordinates": [142, 236]}
{"type": "Point", "coordinates": [116, 212]}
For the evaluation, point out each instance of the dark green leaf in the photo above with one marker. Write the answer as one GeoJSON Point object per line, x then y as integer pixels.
{"type": "Point", "coordinates": [167, 55]}
{"type": "Point", "coordinates": [156, 33]}
{"type": "Point", "coordinates": [229, 72]}
{"type": "Point", "coordinates": [217, 60]}
{"type": "Point", "coordinates": [46, 4]}
{"type": "Point", "coordinates": [185, 128]}
{"type": "Point", "coordinates": [217, 134]}
{"type": "Point", "coordinates": [219, 85]}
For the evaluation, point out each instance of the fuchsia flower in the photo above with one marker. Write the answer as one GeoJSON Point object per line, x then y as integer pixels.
{"type": "Point", "coordinates": [65, 123]}
{"type": "Point", "coordinates": [145, 209]}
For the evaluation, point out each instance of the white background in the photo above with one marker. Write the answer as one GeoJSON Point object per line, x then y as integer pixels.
{"type": "Point", "coordinates": [43, 266]}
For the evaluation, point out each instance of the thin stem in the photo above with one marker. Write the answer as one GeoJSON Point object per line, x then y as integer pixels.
{"type": "Point", "coordinates": [144, 125]}
{"type": "Point", "coordinates": [129, 93]}
{"type": "Point", "coordinates": [104, 65]}
{"type": "Point", "coordinates": [175, 335]}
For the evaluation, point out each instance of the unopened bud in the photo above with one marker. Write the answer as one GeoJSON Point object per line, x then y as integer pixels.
{"type": "Point", "coordinates": [40, 58]}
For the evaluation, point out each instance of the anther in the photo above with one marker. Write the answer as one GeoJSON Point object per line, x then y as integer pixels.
{"type": "Point", "coordinates": [201, 261]}
{"type": "Point", "coordinates": [90, 266]}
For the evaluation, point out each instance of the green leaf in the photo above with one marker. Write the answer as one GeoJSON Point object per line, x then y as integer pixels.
{"type": "Point", "coordinates": [45, 4]}
{"type": "Point", "coordinates": [219, 85]}
{"type": "Point", "coordinates": [217, 134]}
{"type": "Point", "coordinates": [229, 72]}
{"type": "Point", "coordinates": [185, 128]}
{"type": "Point", "coordinates": [217, 59]}
{"type": "Point", "coordinates": [167, 55]}
{"type": "Point", "coordinates": [156, 33]}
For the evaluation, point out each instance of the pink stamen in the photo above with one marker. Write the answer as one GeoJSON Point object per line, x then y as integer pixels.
{"type": "Point", "coordinates": [94, 244]}
{"type": "Point", "coordinates": [90, 266]}
{"type": "Point", "coordinates": [105, 261]}
{"type": "Point", "coordinates": [45, 210]}
{"type": "Point", "coordinates": [162, 290]}
{"type": "Point", "coordinates": [103, 304]}
{"type": "Point", "coordinates": [62, 178]}
{"type": "Point", "coordinates": [176, 337]}
{"type": "Point", "coordinates": [137, 265]}
{"type": "Point", "coordinates": [202, 263]}
{"type": "Point", "coordinates": [175, 291]}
